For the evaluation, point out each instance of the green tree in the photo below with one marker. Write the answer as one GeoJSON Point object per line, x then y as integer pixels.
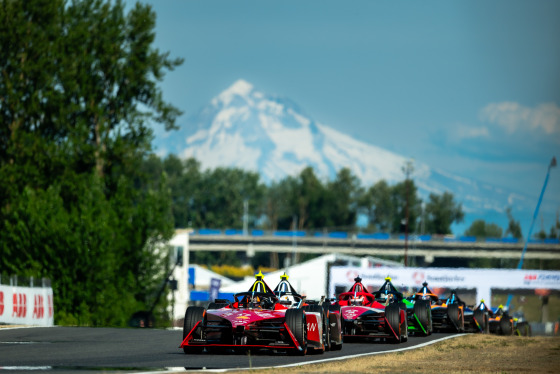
{"type": "Point", "coordinates": [276, 205]}
{"type": "Point", "coordinates": [307, 199]}
{"type": "Point", "coordinates": [555, 228]}
{"type": "Point", "coordinates": [276, 208]}
{"type": "Point", "coordinates": [442, 211]}
{"type": "Point", "coordinates": [553, 232]}
{"type": "Point", "coordinates": [342, 197]}
{"type": "Point", "coordinates": [185, 183]}
{"type": "Point", "coordinates": [482, 229]}
{"type": "Point", "coordinates": [378, 206]}
{"type": "Point", "coordinates": [78, 94]}
{"type": "Point", "coordinates": [221, 195]}
{"type": "Point", "coordinates": [404, 197]}
{"type": "Point", "coordinates": [514, 227]}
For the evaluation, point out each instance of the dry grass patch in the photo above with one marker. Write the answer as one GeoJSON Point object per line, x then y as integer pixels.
{"type": "Point", "coordinates": [465, 354]}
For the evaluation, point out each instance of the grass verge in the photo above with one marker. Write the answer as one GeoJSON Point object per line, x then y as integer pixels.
{"type": "Point", "coordinates": [472, 353]}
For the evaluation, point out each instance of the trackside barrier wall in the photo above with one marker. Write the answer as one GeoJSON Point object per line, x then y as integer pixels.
{"type": "Point", "coordinates": [26, 305]}
{"type": "Point", "coordinates": [546, 328]}
{"type": "Point", "coordinates": [483, 280]}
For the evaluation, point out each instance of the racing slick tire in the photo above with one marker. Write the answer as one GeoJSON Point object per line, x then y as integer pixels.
{"type": "Point", "coordinates": [423, 312]}
{"type": "Point", "coordinates": [393, 316]}
{"type": "Point", "coordinates": [482, 319]}
{"type": "Point", "coordinates": [523, 329]}
{"type": "Point", "coordinates": [327, 326]}
{"type": "Point", "coordinates": [455, 315]}
{"type": "Point", "coordinates": [506, 327]}
{"type": "Point", "coordinates": [295, 319]}
{"type": "Point", "coordinates": [193, 315]}
{"type": "Point", "coordinates": [335, 320]}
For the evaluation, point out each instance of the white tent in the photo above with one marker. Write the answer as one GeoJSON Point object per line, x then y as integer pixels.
{"type": "Point", "coordinates": [202, 277]}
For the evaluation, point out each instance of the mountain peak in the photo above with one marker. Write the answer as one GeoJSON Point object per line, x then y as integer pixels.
{"type": "Point", "coordinates": [240, 88]}
{"type": "Point", "coordinates": [249, 129]}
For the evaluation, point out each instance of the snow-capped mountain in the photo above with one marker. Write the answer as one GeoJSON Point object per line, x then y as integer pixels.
{"type": "Point", "coordinates": [243, 127]}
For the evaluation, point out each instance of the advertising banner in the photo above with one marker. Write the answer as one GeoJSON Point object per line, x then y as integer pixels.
{"type": "Point", "coordinates": [26, 306]}
{"type": "Point", "coordinates": [483, 280]}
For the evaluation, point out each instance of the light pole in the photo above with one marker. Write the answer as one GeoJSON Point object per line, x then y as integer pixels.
{"type": "Point", "coordinates": [407, 170]}
{"type": "Point", "coordinates": [294, 241]}
{"type": "Point", "coordinates": [245, 217]}
{"type": "Point", "coordinates": [520, 263]}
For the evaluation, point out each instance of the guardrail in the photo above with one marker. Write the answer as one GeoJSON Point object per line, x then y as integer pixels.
{"type": "Point", "coordinates": [18, 280]}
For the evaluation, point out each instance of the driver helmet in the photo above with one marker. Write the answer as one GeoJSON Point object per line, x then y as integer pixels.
{"type": "Point", "coordinates": [287, 298]}
{"type": "Point", "coordinates": [359, 300]}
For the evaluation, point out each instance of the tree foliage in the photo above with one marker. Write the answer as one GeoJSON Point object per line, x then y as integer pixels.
{"type": "Point", "coordinates": [514, 227]}
{"type": "Point", "coordinates": [406, 205]}
{"type": "Point", "coordinates": [78, 90]}
{"type": "Point", "coordinates": [442, 211]}
{"type": "Point", "coordinates": [481, 229]}
{"type": "Point", "coordinates": [378, 206]}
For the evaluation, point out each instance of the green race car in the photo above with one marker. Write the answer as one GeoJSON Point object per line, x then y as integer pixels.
{"type": "Point", "coordinates": [419, 311]}
{"type": "Point", "coordinates": [418, 307]}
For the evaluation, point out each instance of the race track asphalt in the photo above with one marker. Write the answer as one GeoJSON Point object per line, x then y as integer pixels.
{"type": "Point", "coordinates": [83, 350]}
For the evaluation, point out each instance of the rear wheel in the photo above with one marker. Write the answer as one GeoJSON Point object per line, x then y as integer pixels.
{"type": "Point", "coordinates": [326, 326]}
{"type": "Point", "coordinates": [423, 312]}
{"type": "Point", "coordinates": [404, 323]}
{"type": "Point", "coordinates": [335, 320]}
{"type": "Point", "coordinates": [481, 319]}
{"type": "Point", "coordinates": [295, 319]}
{"type": "Point", "coordinates": [506, 327]}
{"type": "Point", "coordinates": [392, 314]}
{"type": "Point", "coordinates": [193, 315]}
{"type": "Point", "coordinates": [523, 329]}
{"type": "Point", "coordinates": [455, 314]}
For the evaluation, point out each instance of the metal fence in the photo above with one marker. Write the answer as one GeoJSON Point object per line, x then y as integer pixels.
{"type": "Point", "coordinates": [22, 281]}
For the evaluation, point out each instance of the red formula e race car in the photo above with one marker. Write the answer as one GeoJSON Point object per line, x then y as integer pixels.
{"type": "Point", "coordinates": [329, 331]}
{"type": "Point", "coordinates": [377, 315]}
{"type": "Point", "coordinates": [254, 320]}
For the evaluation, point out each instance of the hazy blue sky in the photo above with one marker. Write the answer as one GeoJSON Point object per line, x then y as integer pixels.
{"type": "Point", "coordinates": [471, 87]}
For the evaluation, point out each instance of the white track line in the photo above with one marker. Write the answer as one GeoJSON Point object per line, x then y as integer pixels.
{"type": "Point", "coordinates": [182, 370]}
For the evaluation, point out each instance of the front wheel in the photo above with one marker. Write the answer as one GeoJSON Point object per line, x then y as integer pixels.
{"type": "Point", "coordinates": [193, 315]}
